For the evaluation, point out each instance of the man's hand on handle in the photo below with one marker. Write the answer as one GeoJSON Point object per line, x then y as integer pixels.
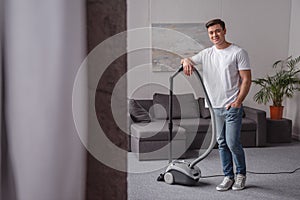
{"type": "Point", "coordinates": [188, 66]}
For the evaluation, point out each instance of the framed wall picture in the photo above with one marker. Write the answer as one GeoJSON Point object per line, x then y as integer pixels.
{"type": "Point", "coordinates": [173, 41]}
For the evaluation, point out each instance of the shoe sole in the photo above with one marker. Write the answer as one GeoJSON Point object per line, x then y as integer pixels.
{"type": "Point", "coordinates": [237, 189]}
{"type": "Point", "coordinates": [223, 189]}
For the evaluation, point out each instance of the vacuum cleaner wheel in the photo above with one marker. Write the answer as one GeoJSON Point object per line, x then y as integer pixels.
{"type": "Point", "coordinates": [169, 178]}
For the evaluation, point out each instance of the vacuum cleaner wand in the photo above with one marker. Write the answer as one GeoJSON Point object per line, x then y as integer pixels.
{"type": "Point", "coordinates": [171, 110]}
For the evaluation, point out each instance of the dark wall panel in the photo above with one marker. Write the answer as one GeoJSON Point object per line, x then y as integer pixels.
{"type": "Point", "coordinates": [106, 18]}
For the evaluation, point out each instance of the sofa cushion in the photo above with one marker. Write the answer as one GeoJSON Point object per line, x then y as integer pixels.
{"type": "Point", "coordinates": [193, 125]}
{"type": "Point", "coordinates": [137, 112]}
{"type": "Point", "coordinates": [156, 131]}
{"type": "Point", "coordinates": [204, 111]}
{"type": "Point", "coordinates": [184, 106]}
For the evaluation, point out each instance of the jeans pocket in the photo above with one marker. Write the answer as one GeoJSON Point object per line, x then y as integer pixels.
{"type": "Point", "coordinates": [234, 113]}
{"type": "Point", "coordinates": [234, 109]}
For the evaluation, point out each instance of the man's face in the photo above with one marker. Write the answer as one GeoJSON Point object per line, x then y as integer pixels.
{"type": "Point", "coordinates": [216, 34]}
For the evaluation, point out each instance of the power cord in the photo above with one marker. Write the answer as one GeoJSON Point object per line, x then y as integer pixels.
{"type": "Point", "coordinates": [286, 172]}
{"type": "Point", "coordinates": [259, 173]}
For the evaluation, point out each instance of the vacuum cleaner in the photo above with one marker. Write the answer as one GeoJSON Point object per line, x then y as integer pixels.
{"type": "Point", "coordinates": [180, 171]}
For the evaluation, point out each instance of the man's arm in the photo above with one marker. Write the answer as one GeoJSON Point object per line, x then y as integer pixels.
{"type": "Point", "coordinates": [244, 88]}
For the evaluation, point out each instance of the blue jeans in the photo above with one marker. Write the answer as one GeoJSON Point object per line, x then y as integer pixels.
{"type": "Point", "coordinates": [228, 129]}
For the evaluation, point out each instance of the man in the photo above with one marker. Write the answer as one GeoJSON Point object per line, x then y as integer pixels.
{"type": "Point", "coordinates": [227, 78]}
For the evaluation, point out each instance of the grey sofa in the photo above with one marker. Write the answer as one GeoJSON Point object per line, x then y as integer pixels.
{"type": "Point", "coordinates": [149, 131]}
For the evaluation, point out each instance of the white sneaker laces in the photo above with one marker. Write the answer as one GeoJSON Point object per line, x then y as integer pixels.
{"type": "Point", "coordinates": [225, 181]}
{"type": "Point", "coordinates": [239, 180]}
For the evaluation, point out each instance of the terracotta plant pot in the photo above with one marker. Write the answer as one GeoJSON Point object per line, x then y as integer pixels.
{"type": "Point", "coordinates": [276, 112]}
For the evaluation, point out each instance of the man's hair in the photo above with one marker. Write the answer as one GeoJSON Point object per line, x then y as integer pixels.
{"type": "Point", "coordinates": [214, 22]}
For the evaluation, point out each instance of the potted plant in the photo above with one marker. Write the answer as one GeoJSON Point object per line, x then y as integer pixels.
{"type": "Point", "coordinates": [283, 84]}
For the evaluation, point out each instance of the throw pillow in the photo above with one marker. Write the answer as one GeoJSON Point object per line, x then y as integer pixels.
{"type": "Point", "coordinates": [137, 112]}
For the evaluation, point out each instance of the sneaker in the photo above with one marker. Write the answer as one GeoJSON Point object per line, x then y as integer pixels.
{"type": "Point", "coordinates": [240, 181]}
{"type": "Point", "coordinates": [226, 184]}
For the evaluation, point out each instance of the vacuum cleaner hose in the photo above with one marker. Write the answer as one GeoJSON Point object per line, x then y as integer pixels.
{"type": "Point", "coordinates": [213, 125]}
{"type": "Point", "coordinates": [213, 128]}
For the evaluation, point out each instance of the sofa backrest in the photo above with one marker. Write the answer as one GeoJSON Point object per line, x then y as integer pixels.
{"type": "Point", "coordinates": [184, 106]}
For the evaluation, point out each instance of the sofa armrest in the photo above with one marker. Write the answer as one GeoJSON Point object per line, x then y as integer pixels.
{"type": "Point", "coordinates": [259, 116]}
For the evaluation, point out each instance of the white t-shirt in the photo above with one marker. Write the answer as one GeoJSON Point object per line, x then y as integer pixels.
{"type": "Point", "coordinates": [221, 72]}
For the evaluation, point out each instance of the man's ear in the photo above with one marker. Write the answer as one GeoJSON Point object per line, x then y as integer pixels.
{"type": "Point", "coordinates": [225, 30]}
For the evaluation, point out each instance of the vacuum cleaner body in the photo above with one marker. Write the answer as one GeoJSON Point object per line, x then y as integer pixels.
{"type": "Point", "coordinates": [180, 172]}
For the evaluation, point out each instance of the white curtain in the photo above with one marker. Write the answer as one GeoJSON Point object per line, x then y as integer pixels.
{"type": "Point", "coordinates": [42, 157]}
